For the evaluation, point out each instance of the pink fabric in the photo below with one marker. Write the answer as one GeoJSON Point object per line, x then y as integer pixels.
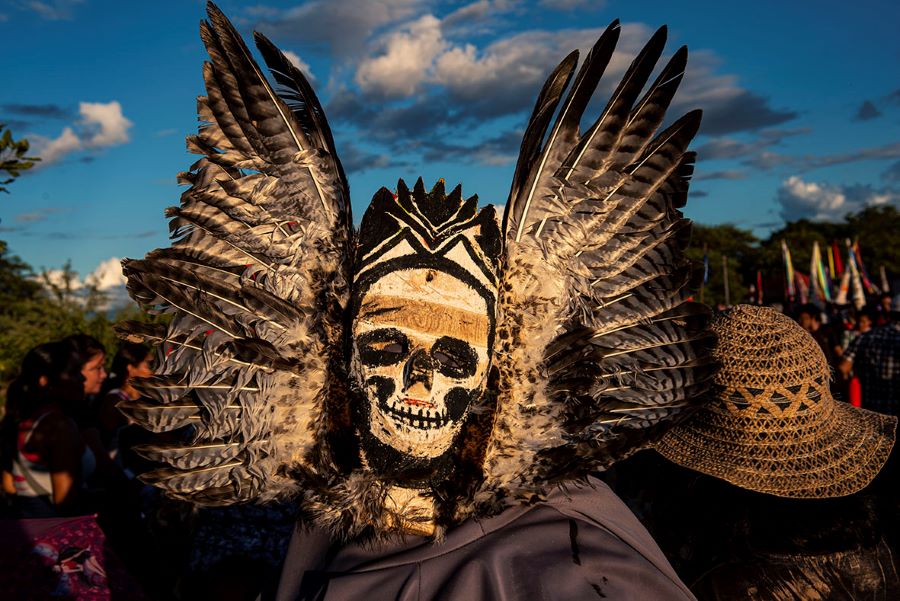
{"type": "Point", "coordinates": [60, 558]}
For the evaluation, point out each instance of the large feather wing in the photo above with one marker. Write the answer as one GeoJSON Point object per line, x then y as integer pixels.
{"type": "Point", "coordinates": [257, 280]}
{"type": "Point", "coordinates": [598, 345]}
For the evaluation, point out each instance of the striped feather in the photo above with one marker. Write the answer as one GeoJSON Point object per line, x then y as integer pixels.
{"type": "Point", "coordinates": [601, 346]}
{"type": "Point", "coordinates": [256, 279]}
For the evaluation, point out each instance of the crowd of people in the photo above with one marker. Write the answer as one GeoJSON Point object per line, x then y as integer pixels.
{"type": "Point", "coordinates": [68, 450]}
{"type": "Point", "coordinates": [863, 349]}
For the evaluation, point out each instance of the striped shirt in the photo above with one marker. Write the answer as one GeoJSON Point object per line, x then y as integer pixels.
{"type": "Point", "coordinates": [876, 362]}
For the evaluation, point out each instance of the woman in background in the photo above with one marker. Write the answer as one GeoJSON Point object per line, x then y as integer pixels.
{"type": "Point", "coordinates": [50, 461]}
{"type": "Point", "coordinates": [132, 361]}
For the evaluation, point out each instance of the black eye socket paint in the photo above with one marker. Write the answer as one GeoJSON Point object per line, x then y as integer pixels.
{"type": "Point", "coordinates": [385, 346]}
{"type": "Point", "coordinates": [455, 357]}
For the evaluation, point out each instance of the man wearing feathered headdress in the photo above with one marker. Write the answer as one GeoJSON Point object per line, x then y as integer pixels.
{"type": "Point", "coordinates": [436, 390]}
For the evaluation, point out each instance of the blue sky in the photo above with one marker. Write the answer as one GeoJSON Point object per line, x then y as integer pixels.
{"type": "Point", "coordinates": [801, 101]}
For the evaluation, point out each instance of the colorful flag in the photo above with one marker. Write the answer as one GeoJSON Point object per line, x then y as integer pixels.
{"type": "Point", "coordinates": [831, 272]}
{"type": "Point", "coordinates": [759, 288]}
{"type": "Point", "coordinates": [836, 250]}
{"type": "Point", "coordinates": [790, 290]}
{"type": "Point", "coordinates": [859, 297]}
{"type": "Point", "coordinates": [871, 288]}
{"type": "Point", "coordinates": [820, 284]}
{"type": "Point", "coordinates": [705, 266]}
{"type": "Point", "coordinates": [843, 289]}
{"type": "Point", "coordinates": [815, 288]}
{"type": "Point", "coordinates": [802, 287]}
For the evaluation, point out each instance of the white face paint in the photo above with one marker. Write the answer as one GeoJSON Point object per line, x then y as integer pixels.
{"type": "Point", "coordinates": [420, 353]}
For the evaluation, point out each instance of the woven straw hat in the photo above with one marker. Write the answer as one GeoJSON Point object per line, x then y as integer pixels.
{"type": "Point", "coordinates": [774, 427]}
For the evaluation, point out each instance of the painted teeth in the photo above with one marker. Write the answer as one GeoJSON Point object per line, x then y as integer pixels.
{"type": "Point", "coordinates": [413, 417]}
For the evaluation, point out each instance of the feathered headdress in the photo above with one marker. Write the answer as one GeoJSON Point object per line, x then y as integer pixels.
{"type": "Point", "coordinates": [595, 344]}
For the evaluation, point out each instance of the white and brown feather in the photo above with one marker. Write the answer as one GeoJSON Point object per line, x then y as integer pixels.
{"type": "Point", "coordinates": [599, 347]}
{"type": "Point", "coordinates": [257, 279]}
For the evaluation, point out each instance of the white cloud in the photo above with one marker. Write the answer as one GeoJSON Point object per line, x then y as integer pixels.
{"type": "Point", "coordinates": [426, 78]}
{"type": "Point", "coordinates": [499, 79]}
{"type": "Point", "coordinates": [300, 64]}
{"type": "Point", "coordinates": [343, 26]}
{"type": "Point", "coordinates": [407, 58]}
{"type": "Point", "coordinates": [572, 4]}
{"type": "Point", "coordinates": [51, 151]}
{"type": "Point", "coordinates": [57, 277]}
{"type": "Point", "coordinates": [101, 125]}
{"type": "Point", "coordinates": [524, 59]}
{"type": "Point", "coordinates": [800, 199]}
{"type": "Point", "coordinates": [107, 275]}
{"type": "Point", "coordinates": [104, 123]}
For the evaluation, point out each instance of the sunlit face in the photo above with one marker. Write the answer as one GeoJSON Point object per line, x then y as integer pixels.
{"type": "Point", "coordinates": [420, 353]}
{"type": "Point", "coordinates": [807, 322]}
{"type": "Point", "coordinates": [143, 369]}
{"type": "Point", "coordinates": [865, 323]}
{"type": "Point", "coordinates": [94, 373]}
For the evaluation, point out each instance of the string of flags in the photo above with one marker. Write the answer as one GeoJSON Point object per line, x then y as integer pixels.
{"type": "Point", "coordinates": [829, 281]}
{"type": "Point", "coordinates": [831, 278]}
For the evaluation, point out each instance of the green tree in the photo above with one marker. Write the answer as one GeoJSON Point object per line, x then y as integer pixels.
{"type": "Point", "coordinates": [878, 232]}
{"type": "Point", "coordinates": [740, 248]}
{"type": "Point", "coordinates": [12, 157]}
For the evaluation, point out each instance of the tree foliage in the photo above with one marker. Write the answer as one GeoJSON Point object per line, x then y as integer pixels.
{"type": "Point", "coordinates": [714, 243]}
{"type": "Point", "coordinates": [874, 227]}
{"type": "Point", "coordinates": [35, 309]}
{"type": "Point", "coordinates": [12, 157]}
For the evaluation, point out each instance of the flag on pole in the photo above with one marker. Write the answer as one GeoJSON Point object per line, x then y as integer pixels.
{"type": "Point", "coordinates": [802, 287]}
{"type": "Point", "coordinates": [820, 284]}
{"type": "Point", "coordinates": [831, 272]}
{"type": "Point", "coordinates": [705, 266]}
{"type": "Point", "coordinates": [843, 289]}
{"type": "Point", "coordinates": [885, 286]}
{"type": "Point", "coordinates": [856, 287]}
{"type": "Point", "coordinates": [838, 265]}
{"type": "Point", "coordinates": [759, 290]}
{"type": "Point", "coordinates": [815, 288]}
{"type": "Point", "coordinates": [788, 271]}
{"type": "Point", "coordinates": [871, 288]}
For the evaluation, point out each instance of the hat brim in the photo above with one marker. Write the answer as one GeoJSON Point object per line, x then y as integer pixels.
{"type": "Point", "coordinates": [817, 456]}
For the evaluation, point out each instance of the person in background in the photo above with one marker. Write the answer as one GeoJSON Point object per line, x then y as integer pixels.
{"type": "Point", "coordinates": [50, 461]}
{"type": "Point", "coordinates": [863, 322]}
{"type": "Point", "coordinates": [809, 316]}
{"type": "Point", "coordinates": [883, 310]}
{"type": "Point", "coordinates": [30, 384]}
{"type": "Point", "coordinates": [773, 490]}
{"type": "Point", "coordinates": [874, 357]}
{"type": "Point", "coordinates": [132, 360]}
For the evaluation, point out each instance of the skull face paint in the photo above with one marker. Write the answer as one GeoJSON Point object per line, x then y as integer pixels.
{"type": "Point", "coordinates": [423, 307]}
{"type": "Point", "coordinates": [420, 353]}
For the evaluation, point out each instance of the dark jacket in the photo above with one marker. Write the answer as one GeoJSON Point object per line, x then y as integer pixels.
{"type": "Point", "coordinates": [581, 543]}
